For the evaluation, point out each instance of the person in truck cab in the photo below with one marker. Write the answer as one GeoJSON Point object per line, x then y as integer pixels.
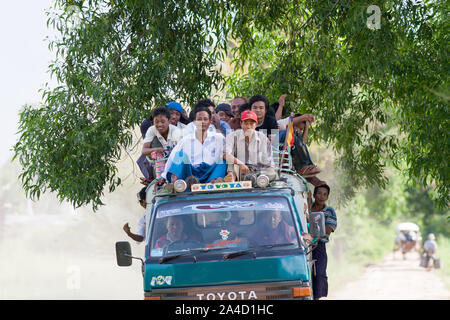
{"type": "Point", "coordinates": [248, 150]}
{"type": "Point", "coordinates": [272, 230]}
{"type": "Point", "coordinates": [179, 228]}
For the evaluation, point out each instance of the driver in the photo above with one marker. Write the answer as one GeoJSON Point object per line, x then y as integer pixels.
{"type": "Point", "coordinates": [176, 231]}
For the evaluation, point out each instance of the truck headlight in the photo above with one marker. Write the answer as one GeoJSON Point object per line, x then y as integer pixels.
{"type": "Point", "coordinates": [262, 181]}
{"type": "Point", "coordinates": [180, 185]}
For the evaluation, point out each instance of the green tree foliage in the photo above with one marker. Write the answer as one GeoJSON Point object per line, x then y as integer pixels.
{"type": "Point", "coordinates": [124, 57]}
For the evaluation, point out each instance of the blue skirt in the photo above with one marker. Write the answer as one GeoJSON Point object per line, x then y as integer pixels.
{"type": "Point", "coordinates": [182, 168]}
{"type": "Point", "coordinates": [320, 279]}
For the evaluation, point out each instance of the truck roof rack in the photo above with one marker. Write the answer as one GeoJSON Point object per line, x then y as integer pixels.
{"type": "Point", "coordinates": [283, 164]}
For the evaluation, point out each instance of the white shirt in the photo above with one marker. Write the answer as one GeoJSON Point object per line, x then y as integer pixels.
{"type": "Point", "coordinates": [173, 136]}
{"type": "Point", "coordinates": [258, 151]}
{"type": "Point", "coordinates": [180, 125]}
{"type": "Point", "coordinates": [283, 123]}
{"type": "Point", "coordinates": [141, 224]}
{"type": "Point", "coordinates": [210, 152]}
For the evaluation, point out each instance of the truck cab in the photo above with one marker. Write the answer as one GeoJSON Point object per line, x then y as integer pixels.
{"type": "Point", "coordinates": [227, 241]}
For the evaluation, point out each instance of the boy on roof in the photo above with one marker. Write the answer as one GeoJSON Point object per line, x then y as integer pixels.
{"type": "Point", "coordinates": [162, 136]}
{"type": "Point", "coordinates": [248, 150]}
{"type": "Point", "coordinates": [160, 139]}
{"type": "Point", "coordinates": [177, 115]}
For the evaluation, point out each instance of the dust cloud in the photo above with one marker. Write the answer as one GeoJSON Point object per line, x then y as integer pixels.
{"type": "Point", "coordinates": [49, 250]}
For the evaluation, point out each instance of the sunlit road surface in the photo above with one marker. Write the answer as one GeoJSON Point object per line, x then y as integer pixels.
{"type": "Point", "coordinates": [394, 279]}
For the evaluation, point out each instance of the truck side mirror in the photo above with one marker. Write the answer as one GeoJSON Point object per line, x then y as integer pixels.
{"type": "Point", "coordinates": [123, 254]}
{"type": "Point", "coordinates": [317, 225]}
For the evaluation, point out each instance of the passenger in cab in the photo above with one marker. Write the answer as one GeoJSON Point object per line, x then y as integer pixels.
{"type": "Point", "coordinates": [248, 150]}
{"type": "Point", "coordinates": [177, 230]}
{"type": "Point", "coordinates": [177, 115]}
{"type": "Point", "coordinates": [272, 230]}
{"type": "Point", "coordinates": [199, 154]}
{"type": "Point", "coordinates": [320, 279]}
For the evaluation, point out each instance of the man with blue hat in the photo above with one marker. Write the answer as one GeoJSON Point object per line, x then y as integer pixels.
{"type": "Point", "coordinates": [177, 116]}
{"type": "Point", "coordinates": [223, 110]}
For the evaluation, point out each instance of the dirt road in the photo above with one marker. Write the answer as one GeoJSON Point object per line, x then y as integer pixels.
{"type": "Point", "coordinates": [394, 279]}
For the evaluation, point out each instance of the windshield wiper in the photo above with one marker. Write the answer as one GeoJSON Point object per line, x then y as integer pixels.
{"type": "Point", "coordinates": [274, 245]}
{"type": "Point", "coordinates": [184, 254]}
{"type": "Point", "coordinates": [232, 255]}
{"type": "Point", "coordinates": [208, 249]}
{"type": "Point", "coordinates": [175, 256]}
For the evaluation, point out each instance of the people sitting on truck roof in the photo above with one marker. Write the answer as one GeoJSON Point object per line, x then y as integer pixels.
{"type": "Point", "coordinates": [160, 138]}
{"type": "Point", "coordinates": [178, 116]}
{"type": "Point", "coordinates": [198, 154]}
{"type": "Point", "coordinates": [319, 280]}
{"type": "Point", "coordinates": [283, 121]}
{"type": "Point", "coordinates": [144, 165]}
{"type": "Point", "coordinates": [248, 150]}
{"type": "Point", "coordinates": [216, 124]}
{"type": "Point", "coordinates": [301, 159]}
{"type": "Point", "coordinates": [267, 123]}
{"type": "Point", "coordinates": [272, 229]}
{"type": "Point", "coordinates": [235, 122]}
{"type": "Point", "coordinates": [140, 235]}
{"type": "Point", "coordinates": [223, 110]}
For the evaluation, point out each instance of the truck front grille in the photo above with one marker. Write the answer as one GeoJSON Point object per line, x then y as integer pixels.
{"type": "Point", "coordinates": [260, 291]}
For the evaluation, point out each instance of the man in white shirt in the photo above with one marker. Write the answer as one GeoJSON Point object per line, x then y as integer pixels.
{"type": "Point", "coordinates": [199, 154]}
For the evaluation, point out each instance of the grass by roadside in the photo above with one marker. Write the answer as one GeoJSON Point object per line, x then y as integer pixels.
{"type": "Point", "coordinates": [444, 255]}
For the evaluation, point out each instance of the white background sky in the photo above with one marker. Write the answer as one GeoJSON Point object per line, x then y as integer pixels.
{"type": "Point", "coordinates": [24, 60]}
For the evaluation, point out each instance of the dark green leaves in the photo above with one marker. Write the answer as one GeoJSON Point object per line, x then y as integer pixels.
{"type": "Point", "coordinates": [378, 95]}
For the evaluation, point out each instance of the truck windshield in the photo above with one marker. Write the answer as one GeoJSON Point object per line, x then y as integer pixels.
{"type": "Point", "coordinates": [234, 225]}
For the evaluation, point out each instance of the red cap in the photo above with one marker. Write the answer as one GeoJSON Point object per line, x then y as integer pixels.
{"type": "Point", "coordinates": [248, 114]}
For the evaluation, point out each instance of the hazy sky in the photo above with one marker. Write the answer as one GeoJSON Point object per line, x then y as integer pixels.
{"type": "Point", "coordinates": [24, 59]}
